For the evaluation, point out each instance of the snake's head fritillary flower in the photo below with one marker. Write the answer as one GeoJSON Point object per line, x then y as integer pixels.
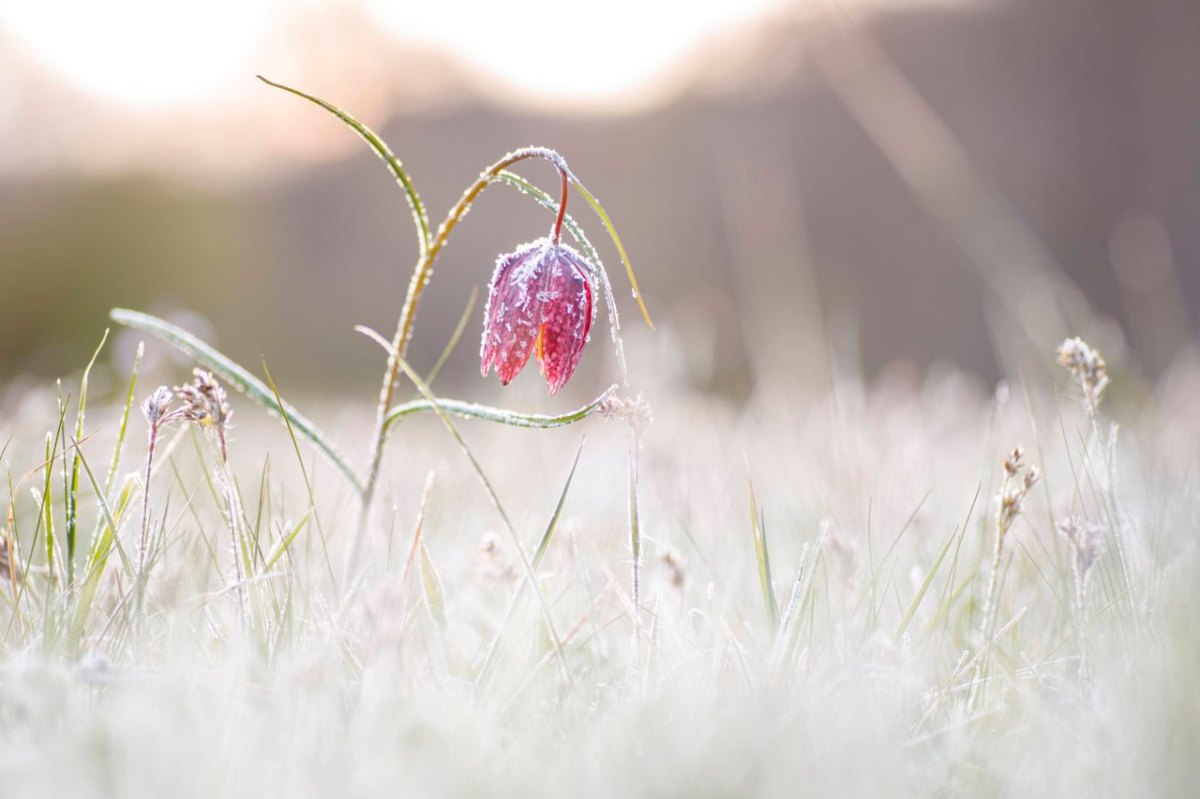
{"type": "Point", "coordinates": [540, 301]}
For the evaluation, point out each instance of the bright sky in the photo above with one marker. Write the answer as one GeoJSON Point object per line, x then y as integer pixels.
{"type": "Point", "coordinates": [145, 53]}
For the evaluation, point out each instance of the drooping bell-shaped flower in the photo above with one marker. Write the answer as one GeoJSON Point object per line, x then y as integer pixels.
{"type": "Point", "coordinates": [540, 301]}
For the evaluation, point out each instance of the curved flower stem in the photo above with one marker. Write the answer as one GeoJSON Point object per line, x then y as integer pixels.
{"type": "Point", "coordinates": [556, 231]}
{"type": "Point", "coordinates": [404, 328]}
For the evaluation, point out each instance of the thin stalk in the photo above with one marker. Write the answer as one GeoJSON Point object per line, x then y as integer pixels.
{"type": "Point", "coordinates": [635, 528]}
{"type": "Point", "coordinates": [152, 440]}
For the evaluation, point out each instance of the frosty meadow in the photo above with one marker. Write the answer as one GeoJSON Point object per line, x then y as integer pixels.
{"type": "Point", "coordinates": [860, 591]}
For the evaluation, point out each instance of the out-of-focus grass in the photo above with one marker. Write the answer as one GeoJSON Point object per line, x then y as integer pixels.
{"type": "Point", "coordinates": [871, 673]}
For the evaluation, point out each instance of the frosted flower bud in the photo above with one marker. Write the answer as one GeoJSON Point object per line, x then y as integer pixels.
{"type": "Point", "coordinates": [540, 301]}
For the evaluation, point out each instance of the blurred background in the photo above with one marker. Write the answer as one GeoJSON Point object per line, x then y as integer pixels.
{"type": "Point", "coordinates": [897, 184]}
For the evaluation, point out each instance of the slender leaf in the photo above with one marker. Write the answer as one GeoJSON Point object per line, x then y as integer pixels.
{"type": "Point", "coordinates": [544, 543]}
{"type": "Point", "coordinates": [762, 555]}
{"type": "Point", "coordinates": [471, 410]}
{"type": "Point", "coordinates": [612, 232]}
{"type": "Point", "coordinates": [916, 602]}
{"type": "Point", "coordinates": [282, 547]}
{"type": "Point", "coordinates": [431, 584]}
{"type": "Point", "coordinates": [72, 498]}
{"type": "Point", "coordinates": [420, 215]}
{"type": "Point", "coordinates": [463, 321]}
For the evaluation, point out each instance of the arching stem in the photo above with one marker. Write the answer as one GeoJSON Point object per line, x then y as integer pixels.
{"type": "Point", "coordinates": [404, 328]}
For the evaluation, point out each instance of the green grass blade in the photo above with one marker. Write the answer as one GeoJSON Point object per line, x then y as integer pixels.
{"type": "Point", "coordinates": [542, 547]}
{"type": "Point", "coordinates": [544, 543]}
{"type": "Point", "coordinates": [102, 545]}
{"type": "Point", "coordinates": [304, 474]}
{"type": "Point", "coordinates": [431, 585]}
{"type": "Point", "coordinates": [239, 378]}
{"type": "Point", "coordinates": [420, 215]}
{"type": "Point", "coordinates": [108, 516]}
{"type": "Point", "coordinates": [72, 498]}
{"type": "Point", "coordinates": [762, 555]}
{"type": "Point", "coordinates": [47, 516]}
{"type": "Point", "coordinates": [282, 547]}
{"type": "Point", "coordinates": [129, 398]}
{"type": "Point", "coordinates": [928, 581]}
{"type": "Point", "coordinates": [612, 232]}
{"type": "Point", "coordinates": [470, 410]}
{"type": "Point", "coordinates": [448, 350]}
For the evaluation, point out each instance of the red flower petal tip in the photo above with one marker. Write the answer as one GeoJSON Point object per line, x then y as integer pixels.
{"type": "Point", "coordinates": [540, 301]}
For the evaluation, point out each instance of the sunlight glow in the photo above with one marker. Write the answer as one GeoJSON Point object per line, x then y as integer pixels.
{"type": "Point", "coordinates": [147, 53]}
{"type": "Point", "coordinates": [141, 53]}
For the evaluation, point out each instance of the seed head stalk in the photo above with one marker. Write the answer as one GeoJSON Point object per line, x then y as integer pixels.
{"type": "Point", "coordinates": [404, 328]}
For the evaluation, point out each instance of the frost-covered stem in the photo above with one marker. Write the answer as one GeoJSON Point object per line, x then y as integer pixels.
{"type": "Point", "coordinates": [404, 328]}
{"type": "Point", "coordinates": [1108, 453]}
{"type": "Point", "coordinates": [989, 599]}
{"type": "Point", "coordinates": [635, 528]}
{"type": "Point", "coordinates": [233, 507]}
{"type": "Point", "coordinates": [1080, 578]}
{"type": "Point", "coordinates": [150, 445]}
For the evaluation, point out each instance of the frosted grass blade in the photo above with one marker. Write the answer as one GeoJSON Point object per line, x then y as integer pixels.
{"type": "Point", "coordinates": [470, 410]}
{"type": "Point", "coordinates": [380, 148]}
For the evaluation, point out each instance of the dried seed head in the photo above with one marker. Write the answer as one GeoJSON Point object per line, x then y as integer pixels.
{"type": "Point", "coordinates": [495, 565]}
{"type": "Point", "coordinates": [1011, 502]}
{"type": "Point", "coordinates": [1019, 480]}
{"type": "Point", "coordinates": [1087, 366]}
{"type": "Point", "coordinates": [1032, 477]}
{"type": "Point", "coordinates": [157, 406]}
{"type": "Point", "coordinates": [634, 411]}
{"type": "Point", "coordinates": [1012, 463]}
{"type": "Point", "coordinates": [676, 567]}
{"type": "Point", "coordinates": [1087, 542]}
{"type": "Point", "coordinates": [489, 544]}
{"type": "Point", "coordinates": [205, 400]}
{"type": "Point", "coordinates": [10, 560]}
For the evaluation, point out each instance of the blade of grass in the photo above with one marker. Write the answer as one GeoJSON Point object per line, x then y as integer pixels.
{"type": "Point", "coordinates": [635, 532]}
{"type": "Point", "coordinates": [544, 543]}
{"type": "Point", "coordinates": [612, 232]}
{"type": "Point", "coordinates": [762, 555]}
{"type": "Point", "coordinates": [928, 581]}
{"type": "Point", "coordinates": [377, 145]}
{"type": "Point", "coordinates": [119, 445]}
{"type": "Point", "coordinates": [431, 586]}
{"type": "Point", "coordinates": [304, 474]}
{"type": "Point", "coordinates": [470, 410]}
{"type": "Point", "coordinates": [538, 555]}
{"type": "Point", "coordinates": [454, 337]}
{"type": "Point", "coordinates": [104, 508]}
{"type": "Point", "coordinates": [282, 547]}
{"type": "Point", "coordinates": [72, 498]}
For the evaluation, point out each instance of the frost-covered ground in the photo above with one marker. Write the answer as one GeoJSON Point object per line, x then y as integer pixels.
{"type": "Point", "coordinates": [868, 670]}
